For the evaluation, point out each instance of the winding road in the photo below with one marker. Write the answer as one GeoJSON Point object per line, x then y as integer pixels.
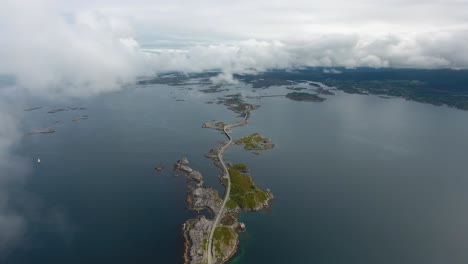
{"type": "Point", "coordinates": [226, 128]}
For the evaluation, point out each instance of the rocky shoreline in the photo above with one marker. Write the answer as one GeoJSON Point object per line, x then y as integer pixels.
{"type": "Point", "coordinates": [216, 240]}
{"type": "Point", "coordinates": [255, 142]}
{"type": "Point", "coordinates": [196, 231]}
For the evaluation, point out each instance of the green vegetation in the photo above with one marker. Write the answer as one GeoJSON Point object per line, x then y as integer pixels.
{"type": "Point", "coordinates": [306, 97]}
{"type": "Point", "coordinates": [230, 204]}
{"type": "Point", "coordinates": [222, 235]}
{"type": "Point", "coordinates": [409, 89]}
{"type": "Point", "coordinates": [235, 103]}
{"type": "Point", "coordinates": [436, 86]}
{"type": "Point", "coordinates": [255, 142]}
{"type": "Point", "coordinates": [204, 243]}
{"type": "Point", "coordinates": [244, 193]}
{"type": "Point", "coordinates": [386, 87]}
{"type": "Point", "coordinates": [240, 167]}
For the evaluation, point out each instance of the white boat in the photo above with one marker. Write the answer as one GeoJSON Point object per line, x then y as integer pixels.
{"type": "Point", "coordinates": [38, 160]}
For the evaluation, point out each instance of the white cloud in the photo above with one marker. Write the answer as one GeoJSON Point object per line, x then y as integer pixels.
{"type": "Point", "coordinates": [87, 47]}
{"type": "Point", "coordinates": [422, 50]}
{"type": "Point", "coordinates": [52, 56]}
{"type": "Point", "coordinates": [224, 78]}
{"type": "Point", "coordinates": [278, 20]}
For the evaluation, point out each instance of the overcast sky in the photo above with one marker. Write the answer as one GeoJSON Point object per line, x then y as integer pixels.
{"type": "Point", "coordinates": [49, 41]}
{"type": "Point", "coordinates": [279, 20]}
{"type": "Point", "coordinates": [78, 48]}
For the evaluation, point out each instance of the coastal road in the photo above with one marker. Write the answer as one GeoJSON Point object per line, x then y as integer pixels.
{"type": "Point", "coordinates": [228, 188]}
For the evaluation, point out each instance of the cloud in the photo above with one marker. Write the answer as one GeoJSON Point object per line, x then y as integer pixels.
{"type": "Point", "coordinates": [422, 50]}
{"type": "Point", "coordinates": [332, 71]}
{"type": "Point", "coordinates": [54, 50]}
{"type": "Point", "coordinates": [76, 55]}
{"type": "Point", "coordinates": [214, 20]}
{"type": "Point", "coordinates": [224, 78]}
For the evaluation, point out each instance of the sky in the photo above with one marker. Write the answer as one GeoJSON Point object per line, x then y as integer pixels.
{"type": "Point", "coordinates": [95, 46]}
{"type": "Point", "coordinates": [81, 48]}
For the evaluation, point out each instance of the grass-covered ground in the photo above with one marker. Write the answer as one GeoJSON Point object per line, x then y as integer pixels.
{"type": "Point", "coordinates": [244, 194]}
{"type": "Point", "coordinates": [255, 142]}
{"type": "Point", "coordinates": [306, 97]}
{"type": "Point", "coordinates": [240, 167]}
{"type": "Point", "coordinates": [223, 236]}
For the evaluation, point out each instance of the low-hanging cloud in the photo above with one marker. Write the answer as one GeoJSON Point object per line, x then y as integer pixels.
{"type": "Point", "coordinates": [422, 50]}
{"type": "Point", "coordinates": [54, 54]}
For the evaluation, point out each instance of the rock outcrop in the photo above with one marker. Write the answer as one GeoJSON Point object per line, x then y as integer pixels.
{"type": "Point", "coordinates": [197, 230]}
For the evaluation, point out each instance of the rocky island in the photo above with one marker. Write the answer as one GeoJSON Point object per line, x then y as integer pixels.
{"type": "Point", "coordinates": [305, 97]}
{"type": "Point", "coordinates": [196, 230]}
{"type": "Point", "coordinates": [244, 196]}
{"type": "Point", "coordinates": [33, 108]}
{"type": "Point", "coordinates": [215, 240]}
{"type": "Point", "coordinates": [42, 131]}
{"type": "Point", "coordinates": [320, 90]}
{"type": "Point", "coordinates": [235, 103]}
{"type": "Point", "coordinates": [255, 142]}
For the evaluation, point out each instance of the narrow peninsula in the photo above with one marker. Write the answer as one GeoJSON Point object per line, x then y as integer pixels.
{"type": "Point", "coordinates": [215, 240]}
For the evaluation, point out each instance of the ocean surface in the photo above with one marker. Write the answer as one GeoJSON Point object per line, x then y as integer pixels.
{"type": "Point", "coordinates": [357, 179]}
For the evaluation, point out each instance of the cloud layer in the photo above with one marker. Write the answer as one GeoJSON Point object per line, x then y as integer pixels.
{"type": "Point", "coordinates": [52, 54]}
{"type": "Point", "coordinates": [81, 48]}
{"type": "Point", "coordinates": [423, 50]}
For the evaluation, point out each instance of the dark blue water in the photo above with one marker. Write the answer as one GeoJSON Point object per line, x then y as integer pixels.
{"type": "Point", "coordinates": [357, 179]}
{"type": "Point", "coordinates": [100, 199]}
